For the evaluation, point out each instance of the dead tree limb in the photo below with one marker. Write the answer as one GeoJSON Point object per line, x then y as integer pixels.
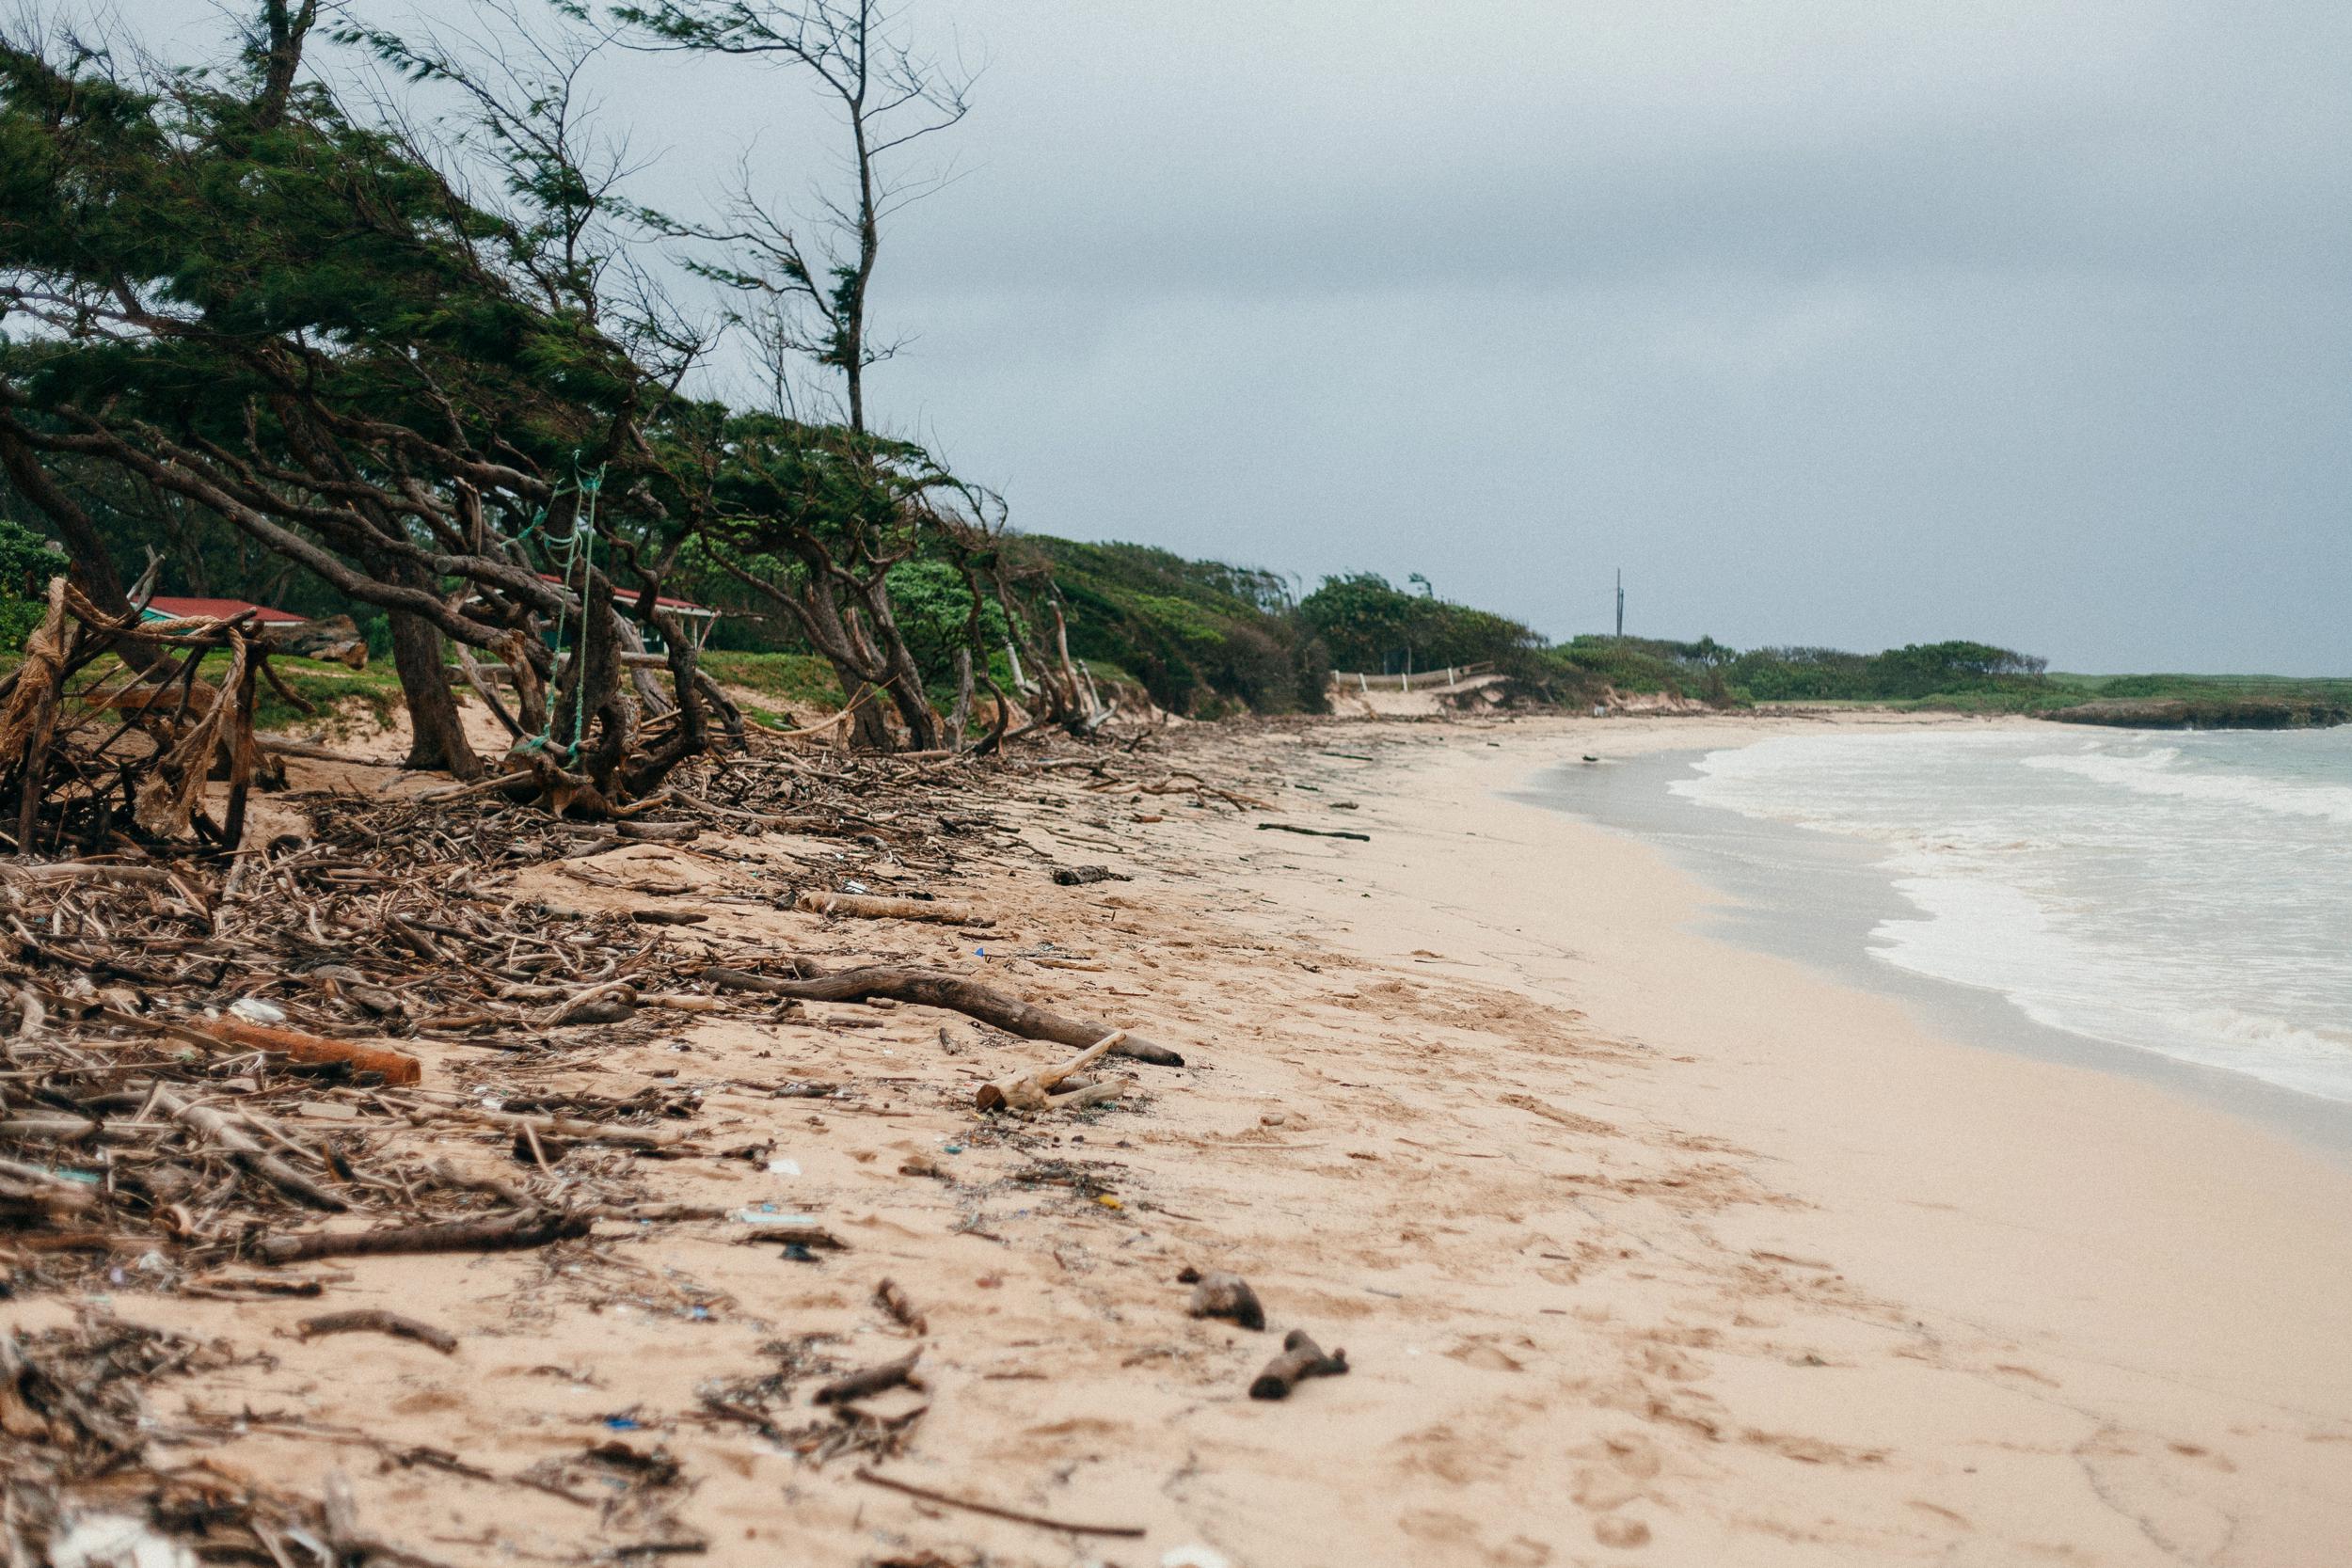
{"type": "Point", "coordinates": [932, 987]}
{"type": "Point", "coordinates": [864, 905]}
{"type": "Point", "coordinates": [369, 1320]}
{"type": "Point", "coordinates": [1028, 1091]}
{"type": "Point", "coordinates": [526, 1228]}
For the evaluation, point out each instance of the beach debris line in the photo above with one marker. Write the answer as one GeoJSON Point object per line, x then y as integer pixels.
{"type": "Point", "coordinates": [1301, 1358]}
{"type": "Point", "coordinates": [1313, 833]}
{"type": "Point", "coordinates": [1215, 1295]}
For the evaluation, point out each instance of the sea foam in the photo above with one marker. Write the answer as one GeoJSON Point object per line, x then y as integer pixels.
{"type": "Point", "coordinates": [2191, 897]}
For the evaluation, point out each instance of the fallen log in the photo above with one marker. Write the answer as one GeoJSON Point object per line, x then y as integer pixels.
{"type": "Point", "coordinates": [1301, 1358]}
{"type": "Point", "coordinates": [932, 987]}
{"type": "Point", "coordinates": [397, 1066]}
{"type": "Point", "coordinates": [525, 1228]}
{"type": "Point", "coordinates": [369, 1320]}
{"type": "Point", "coordinates": [873, 1379]}
{"type": "Point", "coordinates": [1223, 1295]}
{"type": "Point", "coordinates": [868, 906]}
{"type": "Point", "coordinates": [1031, 1091]}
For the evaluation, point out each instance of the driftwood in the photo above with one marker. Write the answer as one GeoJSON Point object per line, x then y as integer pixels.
{"type": "Point", "coordinates": [894, 1299]}
{"type": "Point", "coordinates": [249, 1155]}
{"type": "Point", "coordinates": [1031, 1091]}
{"type": "Point", "coordinates": [1301, 1358]}
{"type": "Point", "coordinates": [1313, 833]}
{"type": "Point", "coordinates": [867, 906]}
{"type": "Point", "coordinates": [1078, 1098]}
{"type": "Point", "coordinates": [23, 1186]}
{"type": "Point", "coordinates": [873, 1379]}
{"type": "Point", "coordinates": [398, 1068]}
{"type": "Point", "coordinates": [1223, 1295]}
{"type": "Point", "coordinates": [367, 1320]}
{"type": "Point", "coordinates": [1124, 1532]}
{"type": "Point", "coordinates": [932, 987]}
{"type": "Point", "coordinates": [524, 1228]}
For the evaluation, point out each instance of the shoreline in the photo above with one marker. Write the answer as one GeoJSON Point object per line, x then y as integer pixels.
{"type": "Point", "coordinates": [1818, 897]}
{"type": "Point", "coordinates": [1643, 1247]}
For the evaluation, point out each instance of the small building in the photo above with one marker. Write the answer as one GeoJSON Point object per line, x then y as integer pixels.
{"type": "Point", "coordinates": [165, 608]}
{"type": "Point", "coordinates": [697, 619]}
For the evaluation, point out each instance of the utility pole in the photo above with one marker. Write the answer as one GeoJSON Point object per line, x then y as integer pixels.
{"type": "Point", "coordinates": [1620, 601]}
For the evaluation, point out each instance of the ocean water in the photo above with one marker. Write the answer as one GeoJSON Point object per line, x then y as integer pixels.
{"type": "Point", "coordinates": [2184, 893]}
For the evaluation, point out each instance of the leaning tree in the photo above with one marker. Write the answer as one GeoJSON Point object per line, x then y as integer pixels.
{"type": "Point", "coordinates": [246, 298]}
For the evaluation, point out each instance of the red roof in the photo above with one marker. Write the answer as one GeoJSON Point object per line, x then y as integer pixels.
{"type": "Point", "coordinates": [620, 592]}
{"type": "Point", "coordinates": [221, 610]}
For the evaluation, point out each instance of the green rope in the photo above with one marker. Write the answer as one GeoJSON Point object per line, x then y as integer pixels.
{"type": "Point", "coordinates": [579, 548]}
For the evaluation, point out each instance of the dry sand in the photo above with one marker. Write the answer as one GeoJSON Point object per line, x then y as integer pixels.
{"type": "Point", "coordinates": [1642, 1248]}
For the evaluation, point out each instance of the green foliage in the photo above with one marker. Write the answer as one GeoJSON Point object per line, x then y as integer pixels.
{"type": "Point", "coordinates": [791, 681]}
{"type": "Point", "coordinates": [1203, 637]}
{"type": "Point", "coordinates": [28, 562]}
{"type": "Point", "coordinates": [1369, 625]}
{"type": "Point", "coordinates": [933, 610]}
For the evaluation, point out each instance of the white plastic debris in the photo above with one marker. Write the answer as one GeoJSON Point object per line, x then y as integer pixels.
{"type": "Point", "coordinates": [253, 1010]}
{"type": "Point", "coordinates": [116, 1541]}
{"type": "Point", "coordinates": [1194, 1556]}
{"type": "Point", "coordinates": [784, 1167]}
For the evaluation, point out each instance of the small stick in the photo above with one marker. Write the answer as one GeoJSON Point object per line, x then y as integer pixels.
{"type": "Point", "coordinates": [1311, 833]}
{"type": "Point", "coordinates": [1301, 1358]}
{"type": "Point", "coordinates": [891, 1298]}
{"type": "Point", "coordinates": [369, 1320]}
{"type": "Point", "coordinates": [1223, 1295]}
{"type": "Point", "coordinates": [1124, 1532]}
{"type": "Point", "coordinates": [873, 1379]}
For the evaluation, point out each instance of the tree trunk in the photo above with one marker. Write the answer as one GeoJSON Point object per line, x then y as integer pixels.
{"type": "Point", "coordinates": [436, 731]}
{"type": "Point", "coordinates": [960, 720]}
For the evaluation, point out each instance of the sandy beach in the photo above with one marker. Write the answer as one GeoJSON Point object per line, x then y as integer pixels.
{"type": "Point", "coordinates": [1642, 1247]}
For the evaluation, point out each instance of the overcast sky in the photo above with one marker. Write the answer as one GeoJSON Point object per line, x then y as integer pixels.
{"type": "Point", "coordinates": [1840, 322]}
